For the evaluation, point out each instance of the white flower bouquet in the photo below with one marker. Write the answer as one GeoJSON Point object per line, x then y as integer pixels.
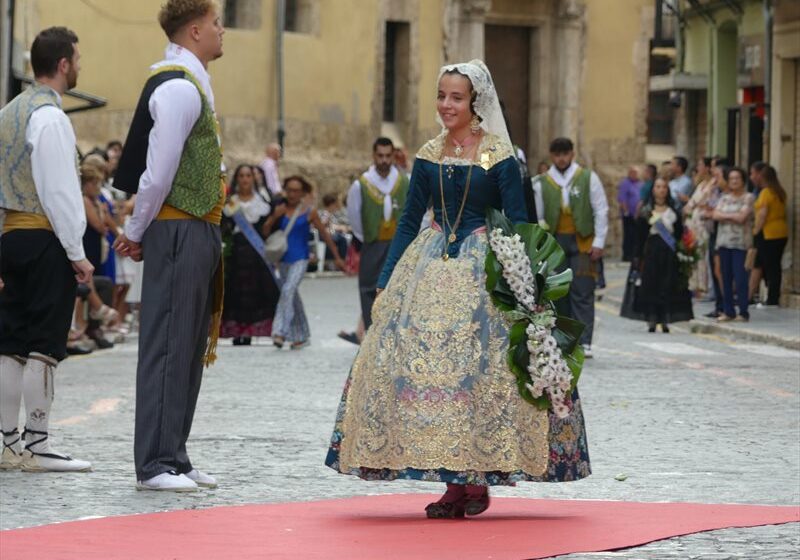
{"type": "Point", "coordinates": [544, 353]}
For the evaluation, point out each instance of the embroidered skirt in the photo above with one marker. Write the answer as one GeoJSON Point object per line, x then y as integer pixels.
{"type": "Point", "coordinates": [430, 395]}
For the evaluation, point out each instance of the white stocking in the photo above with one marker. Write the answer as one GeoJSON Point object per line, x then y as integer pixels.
{"type": "Point", "coordinates": [10, 396]}
{"type": "Point", "coordinates": [38, 390]}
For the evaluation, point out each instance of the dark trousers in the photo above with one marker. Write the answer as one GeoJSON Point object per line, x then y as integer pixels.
{"type": "Point", "coordinates": [628, 237]}
{"type": "Point", "coordinates": [771, 253]}
{"type": "Point", "coordinates": [38, 299]}
{"type": "Point", "coordinates": [373, 257]}
{"type": "Point", "coordinates": [733, 272]}
{"type": "Point", "coordinates": [180, 259]}
{"type": "Point", "coordinates": [579, 303]}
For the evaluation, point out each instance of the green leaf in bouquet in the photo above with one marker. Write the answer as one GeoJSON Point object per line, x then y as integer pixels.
{"type": "Point", "coordinates": [503, 302]}
{"type": "Point", "coordinates": [557, 285]}
{"type": "Point", "coordinates": [519, 314]}
{"type": "Point", "coordinates": [517, 334]}
{"type": "Point", "coordinates": [496, 219]}
{"type": "Point", "coordinates": [494, 271]}
{"type": "Point", "coordinates": [575, 363]}
{"type": "Point", "coordinates": [567, 332]}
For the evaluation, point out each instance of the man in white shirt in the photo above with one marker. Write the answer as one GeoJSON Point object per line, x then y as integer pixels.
{"type": "Point", "coordinates": [269, 166]}
{"type": "Point", "coordinates": [172, 158]}
{"type": "Point", "coordinates": [571, 203]}
{"type": "Point", "coordinates": [680, 186]}
{"type": "Point", "coordinates": [41, 251]}
{"type": "Point", "coordinates": [374, 203]}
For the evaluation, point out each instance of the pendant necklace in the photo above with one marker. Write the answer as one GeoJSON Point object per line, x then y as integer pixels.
{"type": "Point", "coordinates": [458, 147]}
{"type": "Point", "coordinates": [451, 237]}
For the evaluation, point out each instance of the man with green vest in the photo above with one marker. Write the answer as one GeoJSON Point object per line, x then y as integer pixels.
{"type": "Point", "coordinates": [374, 204]}
{"type": "Point", "coordinates": [173, 160]}
{"type": "Point", "coordinates": [41, 252]}
{"type": "Point", "coordinates": [571, 203]}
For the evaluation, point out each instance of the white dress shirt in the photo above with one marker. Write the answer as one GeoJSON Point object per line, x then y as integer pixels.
{"type": "Point", "coordinates": [54, 166]}
{"type": "Point", "coordinates": [270, 168]}
{"type": "Point", "coordinates": [384, 184]}
{"type": "Point", "coordinates": [175, 107]}
{"type": "Point", "coordinates": [597, 199]}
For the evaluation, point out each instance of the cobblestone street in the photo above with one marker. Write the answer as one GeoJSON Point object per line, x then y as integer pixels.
{"type": "Point", "coordinates": [679, 417]}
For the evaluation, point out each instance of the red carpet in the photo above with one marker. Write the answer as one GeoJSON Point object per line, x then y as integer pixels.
{"type": "Point", "coordinates": [380, 528]}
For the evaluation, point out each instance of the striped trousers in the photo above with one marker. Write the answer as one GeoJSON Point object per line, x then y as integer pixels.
{"type": "Point", "coordinates": [180, 258]}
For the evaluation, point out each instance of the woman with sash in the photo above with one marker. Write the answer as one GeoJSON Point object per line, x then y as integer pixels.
{"type": "Point", "coordinates": [656, 292]}
{"type": "Point", "coordinates": [251, 292]}
{"type": "Point", "coordinates": [430, 395]}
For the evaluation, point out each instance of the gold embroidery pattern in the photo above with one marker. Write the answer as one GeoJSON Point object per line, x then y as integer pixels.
{"type": "Point", "coordinates": [492, 151]}
{"type": "Point", "coordinates": [430, 387]}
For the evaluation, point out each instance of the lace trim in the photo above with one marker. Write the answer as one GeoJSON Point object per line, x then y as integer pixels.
{"type": "Point", "coordinates": [492, 151]}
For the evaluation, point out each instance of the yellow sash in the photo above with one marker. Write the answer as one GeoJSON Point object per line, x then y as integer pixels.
{"type": "Point", "coordinates": [25, 220]}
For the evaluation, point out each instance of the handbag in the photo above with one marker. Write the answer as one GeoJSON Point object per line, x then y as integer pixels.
{"type": "Point", "coordinates": [277, 243]}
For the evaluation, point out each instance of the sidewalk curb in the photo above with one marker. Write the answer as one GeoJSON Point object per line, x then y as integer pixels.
{"type": "Point", "coordinates": [699, 326]}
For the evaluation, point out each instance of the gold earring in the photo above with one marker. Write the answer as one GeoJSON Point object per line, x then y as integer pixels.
{"type": "Point", "coordinates": [475, 124]}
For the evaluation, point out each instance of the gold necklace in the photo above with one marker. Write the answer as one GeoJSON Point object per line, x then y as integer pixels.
{"type": "Point", "coordinates": [451, 237]}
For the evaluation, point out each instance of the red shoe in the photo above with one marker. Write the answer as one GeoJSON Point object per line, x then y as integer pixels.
{"type": "Point", "coordinates": [449, 506]}
{"type": "Point", "coordinates": [476, 499]}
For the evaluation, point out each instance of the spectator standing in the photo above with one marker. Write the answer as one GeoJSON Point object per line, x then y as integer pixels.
{"type": "Point", "coordinates": [650, 174]}
{"type": "Point", "coordinates": [699, 224]}
{"type": "Point", "coordinates": [269, 165]}
{"type": "Point", "coordinates": [334, 217]}
{"type": "Point", "coordinates": [770, 223]}
{"type": "Point", "coordinates": [628, 199]}
{"type": "Point", "coordinates": [734, 214]}
{"type": "Point", "coordinates": [680, 187]}
{"type": "Point", "coordinates": [755, 180]}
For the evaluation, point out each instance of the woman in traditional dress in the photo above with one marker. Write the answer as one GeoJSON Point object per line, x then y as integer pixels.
{"type": "Point", "coordinates": [661, 295]}
{"type": "Point", "coordinates": [251, 292]}
{"type": "Point", "coordinates": [430, 395]}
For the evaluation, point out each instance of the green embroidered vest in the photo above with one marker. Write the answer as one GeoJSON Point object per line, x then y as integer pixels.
{"type": "Point", "coordinates": [375, 227]}
{"type": "Point", "coordinates": [17, 189]}
{"type": "Point", "coordinates": [580, 205]}
{"type": "Point", "coordinates": [196, 187]}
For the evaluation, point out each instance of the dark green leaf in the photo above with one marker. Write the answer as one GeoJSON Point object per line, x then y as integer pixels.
{"type": "Point", "coordinates": [557, 285]}
{"type": "Point", "coordinates": [575, 364]}
{"type": "Point", "coordinates": [567, 332]}
{"type": "Point", "coordinates": [496, 219]}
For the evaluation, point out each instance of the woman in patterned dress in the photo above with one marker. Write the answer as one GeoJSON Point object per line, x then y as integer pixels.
{"type": "Point", "coordinates": [430, 395]}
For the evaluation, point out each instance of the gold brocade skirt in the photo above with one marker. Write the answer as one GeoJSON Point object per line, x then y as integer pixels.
{"type": "Point", "coordinates": [430, 395]}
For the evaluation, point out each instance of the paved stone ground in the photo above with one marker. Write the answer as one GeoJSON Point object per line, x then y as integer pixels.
{"type": "Point", "coordinates": [686, 417]}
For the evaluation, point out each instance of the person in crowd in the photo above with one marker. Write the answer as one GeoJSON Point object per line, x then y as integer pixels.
{"type": "Point", "coordinates": [719, 169]}
{"type": "Point", "coordinates": [251, 290]}
{"type": "Point", "coordinates": [680, 186]}
{"type": "Point", "coordinates": [401, 160]}
{"type": "Point", "coordinates": [334, 217]}
{"type": "Point", "coordinates": [755, 178]}
{"type": "Point", "coordinates": [269, 166]}
{"type": "Point", "coordinates": [628, 192]}
{"type": "Point", "coordinates": [435, 332]}
{"type": "Point", "coordinates": [172, 158]}
{"type": "Point", "coordinates": [734, 215]}
{"type": "Point", "coordinates": [659, 294]}
{"type": "Point", "coordinates": [374, 203]}
{"type": "Point", "coordinates": [754, 185]}
{"type": "Point", "coordinates": [572, 205]}
{"type": "Point", "coordinates": [694, 215]}
{"type": "Point", "coordinates": [771, 225]}
{"type": "Point", "coordinates": [295, 217]}
{"type": "Point", "coordinates": [41, 252]}
{"type": "Point", "coordinates": [648, 178]}
{"type": "Point", "coordinates": [542, 167]}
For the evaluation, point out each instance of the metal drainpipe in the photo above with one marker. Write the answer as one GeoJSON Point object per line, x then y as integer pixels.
{"type": "Point", "coordinates": [768, 22]}
{"type": "Point", "coordinates": [281, 23]}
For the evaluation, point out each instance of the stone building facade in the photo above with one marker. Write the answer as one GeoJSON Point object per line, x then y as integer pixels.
{"type": "Point", "coordinates": [354, 69]}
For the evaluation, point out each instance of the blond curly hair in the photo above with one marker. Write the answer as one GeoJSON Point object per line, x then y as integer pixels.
{"type": "Point", "coordinates": [177, 13]}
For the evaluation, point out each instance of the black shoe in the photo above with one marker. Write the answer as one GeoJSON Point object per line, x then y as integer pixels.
{"type": "Point", "coordinates": [246, 340]}
{"type": "Point", "coordinates": [350, 337]}
{"type": "Point", "coordinates": [664, 328]}
{"type": "Point", "coordinates": [77, 351]}
{"type": "Point", "coordinates": [651, 328]}
{"type": "Point", "coordinates": [712, 315]}
{"type": "Point", "coordinates": [99, 339]}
